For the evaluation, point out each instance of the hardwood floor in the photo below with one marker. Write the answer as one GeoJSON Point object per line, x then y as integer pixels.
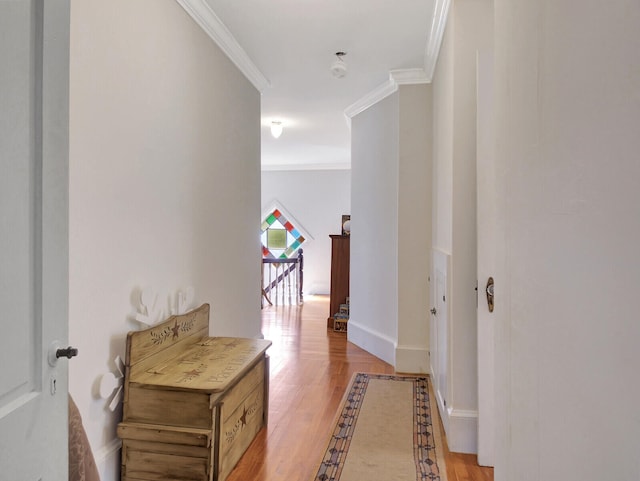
{"type": "Point", "coordinates": [311, 367]}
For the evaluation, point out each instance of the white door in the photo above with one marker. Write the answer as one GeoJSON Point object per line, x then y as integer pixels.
{"type": "Point", "coordinates": [438, 337]}
{"type": "Point", "coordinates": [34, 66]}
{"type": "Point", "coordinates": [442, 337]}
{"type": "Point", "coordinates": [490, 252]}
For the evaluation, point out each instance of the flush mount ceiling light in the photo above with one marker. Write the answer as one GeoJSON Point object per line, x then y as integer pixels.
{"type": "Point", "coordinates": [339, 66]}
{"type": "Point", "coordinates": [276, 128]}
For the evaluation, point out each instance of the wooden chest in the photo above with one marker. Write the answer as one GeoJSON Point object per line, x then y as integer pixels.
{"type": "Point", "coordinates": [193, 403]}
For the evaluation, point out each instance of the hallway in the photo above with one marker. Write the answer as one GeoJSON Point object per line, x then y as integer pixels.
{"type": "Point", "coordinates": [310, 370]}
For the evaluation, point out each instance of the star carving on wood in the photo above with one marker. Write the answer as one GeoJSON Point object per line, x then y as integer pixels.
{"type": "Point", "coordinates": [243, 418]}
{"type": "Point", "coordinates": [232, 345]}
{"type": "Point", "coordinates": [189, 376]}
{"type": "Point", "coordinates": [176, 330]}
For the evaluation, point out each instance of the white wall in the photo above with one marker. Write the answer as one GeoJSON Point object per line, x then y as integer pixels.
{"type": "Point", "coordinates": [567, 116]}
{"type": "Point", "coordinates": [317, 199]}
{"type": "Point", "coordinates": [443, 132]}
{"type": "Point", "coordinates": [414, 226]}
{"type": "Point", "coordinates": [373, 321]}
{"type": "Point", "coordinates": [391, 228]}
{"type": "Point", "coordinates": [468, 29]}
{"type": "Point", "coordinates": [164, 185]}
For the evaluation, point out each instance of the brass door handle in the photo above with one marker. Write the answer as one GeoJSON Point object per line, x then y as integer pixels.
{"type": "Point", "coordinates": [489, 291]}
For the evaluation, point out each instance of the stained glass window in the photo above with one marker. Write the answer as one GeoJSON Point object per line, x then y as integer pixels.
{"type": "Point", "coordinates": [280, 238]}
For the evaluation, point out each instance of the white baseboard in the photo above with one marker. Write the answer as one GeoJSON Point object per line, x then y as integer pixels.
{"type": "Point", "coordinates": [316, 289]}
{"type": "Point", "coordinates": [410, 359]}
{"type": "Point", "coordinates": [462, 435]}
{"type": "Point", "coordinates": [442, 409]}
{"type": "Point", "coordinates": [108, 460]}
{"type": "Point", "coordinates": [461, 426]}
{"type": "Point", "coordinates": [371, 341]}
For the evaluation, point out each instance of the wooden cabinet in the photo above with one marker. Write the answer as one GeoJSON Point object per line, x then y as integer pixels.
{"type": "Point", "coordinates": [340, 252]}
{"type": "Point", "coordinates": [193, 403]}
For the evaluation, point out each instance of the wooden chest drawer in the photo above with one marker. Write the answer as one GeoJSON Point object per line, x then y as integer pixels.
{"type": "Point", "coordinates": [165, 434]}
{"type": "Point", "coordinates": [148, 404]}
{"type": "Point", "coordinates": [154, 461]}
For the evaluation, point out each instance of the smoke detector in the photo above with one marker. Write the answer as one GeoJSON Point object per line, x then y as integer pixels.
{"type": "Point", "coordinates": [339, 66]}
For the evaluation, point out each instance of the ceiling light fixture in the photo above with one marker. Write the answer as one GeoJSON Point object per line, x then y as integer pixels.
{"type": "Point", "coordinates": [339, 66]}
{"type": "Point", "coordinates": [276, 128]}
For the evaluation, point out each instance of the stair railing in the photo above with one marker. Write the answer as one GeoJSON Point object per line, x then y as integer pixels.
{"type": "Point", "coordinates": [283, 280]}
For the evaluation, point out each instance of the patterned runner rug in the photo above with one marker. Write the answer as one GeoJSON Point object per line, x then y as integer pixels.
{"type": "Point", "coordinates": [384, 432]}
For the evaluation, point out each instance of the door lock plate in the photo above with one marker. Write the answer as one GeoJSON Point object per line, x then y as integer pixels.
{"type": "Point", "coordinates": [489, 291]}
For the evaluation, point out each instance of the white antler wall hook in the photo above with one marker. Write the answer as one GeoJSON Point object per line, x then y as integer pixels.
{"type": "Point", "coordinates": [150, 311]}
{"type": "Point", "coordinates": [184, 300]}
{"type": "Point", "coordinates": [112, 382]}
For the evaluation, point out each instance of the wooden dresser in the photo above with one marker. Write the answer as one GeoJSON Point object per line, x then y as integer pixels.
{"type": "Point", "coordinates": [340, 257]}
{"type": "Point", "coordinates": [193, 403]}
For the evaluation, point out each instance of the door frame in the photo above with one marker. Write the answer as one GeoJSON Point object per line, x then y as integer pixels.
{"type": "Point", "coordinates": [490, 246]}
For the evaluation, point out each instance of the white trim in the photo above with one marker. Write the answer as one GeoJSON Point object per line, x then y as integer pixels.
{"type": "Point", "coordinates": [440, 13]}
{"type": "Point", "coordinates": [371, 341]}
{"type": "Point", "coordinates": [409, 76]}
{"type": "Point", "coordinates": [108, 459]}
{"type": "Point", "coordinates": [107, 450]}
{"type": "Point", "coordinates": [462, 435]}
{"type": "Point", "coordinates": [412, 359]}
{"type": "Point", "coordinates": [372, 98]}
{"type": "Point", "coordinates": [439, 400]}
{"type": "Point", "coordinates": [204, 16]}
{"type": "Point", "coordinates": [327, 166]}
{"type": "Point", "coordinates": [460, 426]}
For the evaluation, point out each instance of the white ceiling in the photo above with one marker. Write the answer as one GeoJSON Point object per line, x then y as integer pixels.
{"type": "Point", "coordinates": [290, 46]}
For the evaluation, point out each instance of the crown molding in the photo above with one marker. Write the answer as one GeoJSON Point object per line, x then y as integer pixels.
{"type": "Point", "coordinates": [372, 98]}
{"type": "Point", "coordinates": [440, 13]}
{"type": "Point", "coordinates": [204, 16]}
{"type": "Point", "coordinates": [297, 167]}
{"type": "Point", "coordinates": [409, 76]}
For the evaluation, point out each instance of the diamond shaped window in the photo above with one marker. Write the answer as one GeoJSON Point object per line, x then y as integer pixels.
{"type": "Point", "coordinates": [280, 238]}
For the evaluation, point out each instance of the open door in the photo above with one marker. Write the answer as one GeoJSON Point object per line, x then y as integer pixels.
{"type": "Point", "coordinates": [34, 120]}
